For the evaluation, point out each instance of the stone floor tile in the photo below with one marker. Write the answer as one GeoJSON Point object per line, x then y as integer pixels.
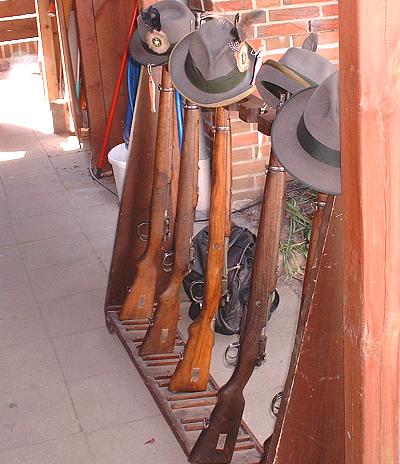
{"type": "Point", "coordinates": [12, 271]}
{"type": "Point", "coordinates": [20, 187]}
{"type": "Point", "coordinates": [35, 205]}
{"type": "Point", "coordinates": [28, 365]}
{"type": "Point", "coordinates": [2, 192]}
{"type": "Point", "coordinates": [67, 279]}
{"type": "Point", "coordinates": [7, 234]}
{"type": "Point", "coordinates": [9, 130]}
{"type": "Point", "coordinates": [111, 399]}
{"type": "Point", "coordinates": [36, 415]}
{"type": "Point", "coordinates": [74, 313]}
{"type": "Point", "coordinates": [70, 450]}
{"type": "Point", "coordinates": [25, 142]}
{"type": "Point", "coordinates": [101, 217]}
{"type": "Point", "coordinates": [147, 441]}
{"type": "Point", "coordinates": [90, 353]}
{"type": "Point", "coordinates": [45, 226]}
{"type": "Point", "coordinates": [15, 297]}
{"type": "Point", "coordinates": [90, 196]}
{"type": "Point", "coordinates": [21, 324]}
{"type": "Point", "coordinates": [79, 178]}
{"type": "Point", "coordinates": [56, 250]}
{"type": "Point", "coordinates": [71, 161]}
{"type": "Point", "coordinates": [25, 168]}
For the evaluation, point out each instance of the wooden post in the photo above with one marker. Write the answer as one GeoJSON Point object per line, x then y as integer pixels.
{"type": "Point", "coordinates": [370, 122]}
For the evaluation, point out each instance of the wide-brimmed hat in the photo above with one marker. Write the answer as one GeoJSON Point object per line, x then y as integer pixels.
{"type": "Point", "coordinates": [297, 69]}
{"type": "Point", "coordinates": [213, 66]}
{"type": "Point", "coordinates": [159, 29]}
{"type": "Point", "coordinates": [305, 136]}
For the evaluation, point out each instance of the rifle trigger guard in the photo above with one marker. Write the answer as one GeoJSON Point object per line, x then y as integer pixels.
{"type": "Point", "coordinates": [192, 294]}
{"type": "Point", "coordinates": [276, 403]}
{"type": "Point", "coordinates": [167, 261]}
{"type": "Point", "coordinates": [206, 422]}
{"type": "Point", "coordinates": [143, 237]}
{"type": "Point", "coordinates": [231, 358]}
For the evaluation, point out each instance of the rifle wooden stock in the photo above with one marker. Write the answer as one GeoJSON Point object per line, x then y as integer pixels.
{"type": "Point", "coordinates": [140, 299]}
{"type": "Point", "coordinates": [160, 337]}
{"type": "Point", "coordinates": [136, 197]}
{"type": "Point", "coordinates": [217, 442]}
{"type": "Point", "coordinates": [192, 372]}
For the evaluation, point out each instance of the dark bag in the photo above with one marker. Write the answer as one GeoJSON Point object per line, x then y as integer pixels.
{"type": "Point", "coordinates": [240, 262]}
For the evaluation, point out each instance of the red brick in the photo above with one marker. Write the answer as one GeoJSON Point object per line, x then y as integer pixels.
{"type": "Point", "coordinates": [244, 139]}
{"type": "Point", "coordinates": [243, 183]}
{"type": "Point", "coordinates": [240, 126]}
{"type": "Point", "coordinates": [330, 10]}
{"type": "Point", "coordinates": [243, 154]}
{"type": "Point", "coordinates": [254, 195]}
{"type": "Point", "coordinates": [298, 27]}
{"type": "Point", "coordinates": [325, 25]}
{"type": "Point", "coordinates": [330, 53]}
{"type": "Point", "coordinates": [267, 3]}
{"type": "Point", "coordinates": [256, 44]}
{"type": "Point", "coordinates": [196, 4]}
{"type": "Point", "coordinates": [287, 14]}
{"type": "Point", "coordinates": [244, 169]}
{"type": "Point", "coordinates": [323, 38]}
{"type": "Point", "coordinates": [233, 5]}
{"type": "Point", "coordinates": [295, 2]}
{"type": "Point", "coordinates": [278, 42]}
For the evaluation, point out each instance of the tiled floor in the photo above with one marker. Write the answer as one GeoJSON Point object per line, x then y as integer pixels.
{"type": "Point", "coordinates": [68, 392]}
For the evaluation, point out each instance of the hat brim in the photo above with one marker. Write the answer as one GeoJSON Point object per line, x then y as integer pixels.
{"type": "Point", "coordinates": [142, 56]}
{"type": "Point", "coordinates": [301, 165]}
{"type": "Point", "coordinates": [269, 74]}
{"type": "Point", "coordinates": [192, 93]}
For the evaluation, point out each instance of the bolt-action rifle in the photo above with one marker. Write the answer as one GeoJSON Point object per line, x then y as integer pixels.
{"type": "Point", "coordinates": [160, 336]}
{"type": "Point", "coordinates": [216, 443]}
{"type": "Point", "coordinates": [140, 299]}
{"type": "Point", "coordinates": [192, 371]}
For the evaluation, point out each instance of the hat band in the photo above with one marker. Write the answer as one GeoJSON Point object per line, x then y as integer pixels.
{"type": "Point", "coordinates": [218, 85]}
{"type": "Point", "coordinates": [315, 148]}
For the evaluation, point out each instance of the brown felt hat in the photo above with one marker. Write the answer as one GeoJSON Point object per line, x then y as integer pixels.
{"type": "Point", "coordinates": [297, 69]}
{"type": "Point", "coordinates": [159, 29]}
{"type": "Point", "coordinates": [305, 136]}
{"type": "Point", "coordinates": [206, 68]}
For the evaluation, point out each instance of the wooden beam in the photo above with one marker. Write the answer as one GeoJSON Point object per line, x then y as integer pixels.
{"type": "Point", "coordinates": [47, 44]}
{"type": "Point", "coordinates": [92, 73]}
{"type": "Point", "coordinates": [370, 122]}
{"type": "Point", "coordinates": [15, 29]}
{"type": "Point", "coordinates": [16, 7]}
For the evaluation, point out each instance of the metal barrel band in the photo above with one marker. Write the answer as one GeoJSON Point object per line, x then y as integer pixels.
{"type": "Point", "coordinates": [221, 129]}
{"type": "Point", "coordinates": [188, 106]}
{"type": "Point", "coordinates": [319, 204]}
{"type": "Point", "coordinates": [274, 169]}
{"type": "Point", "coordinates": [162, 89]}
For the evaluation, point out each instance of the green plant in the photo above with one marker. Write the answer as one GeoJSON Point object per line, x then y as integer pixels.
{"type": "Point", "coordinates": [294, 247]}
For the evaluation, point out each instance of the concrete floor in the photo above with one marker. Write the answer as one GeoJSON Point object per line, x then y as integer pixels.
{"type": "Point", "coordinates": [68, 392]}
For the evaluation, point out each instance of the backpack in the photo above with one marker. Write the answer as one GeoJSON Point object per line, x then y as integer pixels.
{"type": "Point", "coordinates": [240, 262]}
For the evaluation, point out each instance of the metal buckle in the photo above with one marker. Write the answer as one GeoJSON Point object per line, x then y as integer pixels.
{"type": "Point", "coordinates": [276, 403]}
{"type": "Point", "coordinates": [143, 237]}
{"type": "Point", "coordinates": [232, 354]}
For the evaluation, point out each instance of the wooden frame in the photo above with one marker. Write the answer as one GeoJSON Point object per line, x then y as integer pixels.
{"type": "Point", "coordinates": [370, 128]}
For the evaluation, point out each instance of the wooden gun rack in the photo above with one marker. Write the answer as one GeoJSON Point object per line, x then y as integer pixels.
{"type": "Point", "coordinates": [186, 413]}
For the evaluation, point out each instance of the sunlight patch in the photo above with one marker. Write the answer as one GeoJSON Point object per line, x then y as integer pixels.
{"type": "Point", "coordinates": [11, 155]}
{"type": "Point", "coordinates": [70, 144]}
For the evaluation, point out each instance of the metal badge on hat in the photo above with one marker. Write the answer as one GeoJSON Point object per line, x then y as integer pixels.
{"type": "Point", "coordinates": [240, 32]}
{"type": "Point", "coordinates": [156, 39]}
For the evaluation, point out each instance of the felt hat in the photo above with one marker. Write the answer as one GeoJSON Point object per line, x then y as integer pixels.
{"type": "Point", "coordinates": [213, 66]}
{"type": "Point", "coordinates": [297, 69]}
{"type": "Point", "coordinates": [305, 136]}
{"type": "Point", "coordinates": [159, 29]}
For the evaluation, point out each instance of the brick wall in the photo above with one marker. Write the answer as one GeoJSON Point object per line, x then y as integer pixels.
{"type": "Point", "coordinates": [286, 24]}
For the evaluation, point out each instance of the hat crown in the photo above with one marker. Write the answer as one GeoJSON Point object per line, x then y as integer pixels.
{"type": "Point", "coordinates": [321, 115]}
{"type": "Point", "coordinates": [308, 64]}
{"type": "Point", "coordinates": [175, 19]}
{"type": "Point", "coordinates": [210, 50]}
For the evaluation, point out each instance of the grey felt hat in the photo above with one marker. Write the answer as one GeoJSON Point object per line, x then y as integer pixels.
{"type": "Point", "coordinates": [205, 66]}
{"type": "Point", "coordinates": [297, 69]}
{"type": "Point", "coordinates": [305, 136]}
{"type": "Point", "coordinates": [159, 29]}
